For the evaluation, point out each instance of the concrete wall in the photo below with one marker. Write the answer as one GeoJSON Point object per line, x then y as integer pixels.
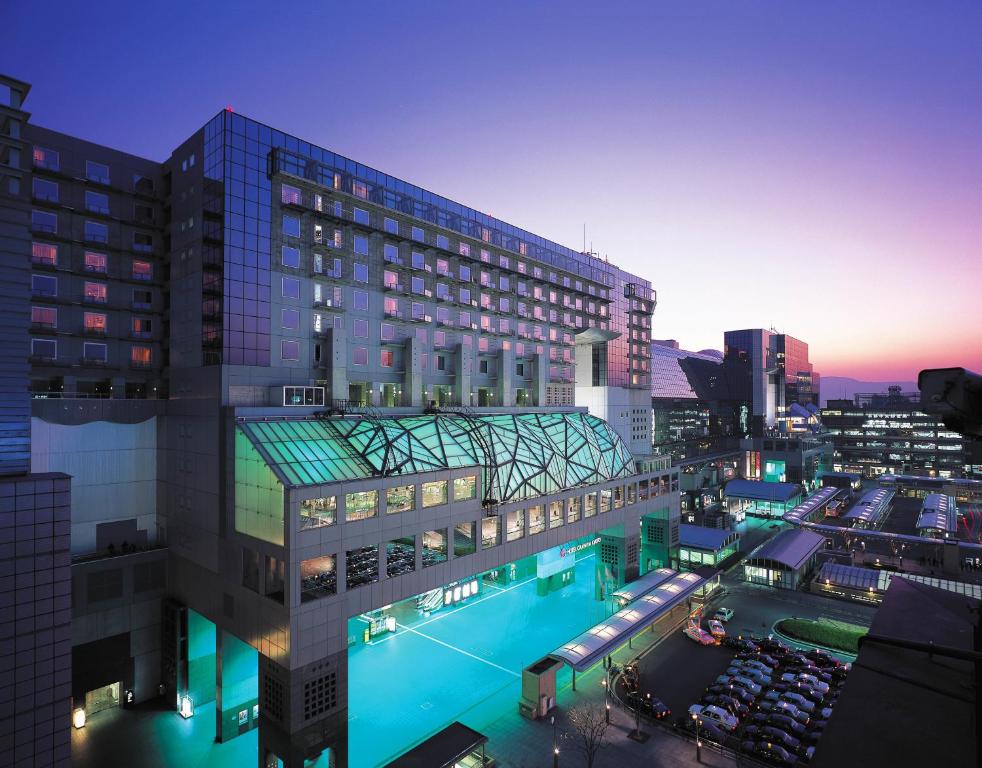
{"type": "Point", "coordinates": [114, 473]}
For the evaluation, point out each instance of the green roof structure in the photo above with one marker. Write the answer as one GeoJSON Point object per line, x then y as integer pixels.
{"type": "Point", "coordinates": [523, 455]}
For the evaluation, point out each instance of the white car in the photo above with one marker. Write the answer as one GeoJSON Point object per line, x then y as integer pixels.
{"type": "Point", "coordinates": [714, 714]}
{"type": "Point", "coordinates": [814, 683]}
{"type": "Point", "coordinates": [723, 614]}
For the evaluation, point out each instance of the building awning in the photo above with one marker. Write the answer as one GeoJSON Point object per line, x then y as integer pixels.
{"type": "Point", "coordinates": [642, 586]}
{"type": "Point", "coordinates": [757, 490]}
{"type": "Point", "coordinates": [590, 647]}
{"type": "Point", "coordinates": [791, 548]}
{"type": "Point", "coordinates": [442, 750]}
{"type": "Point", "coordinates": [595, 336]}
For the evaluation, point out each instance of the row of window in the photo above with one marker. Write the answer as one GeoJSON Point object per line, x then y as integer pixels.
{"type": "Point", "coordinates": [47, 255]}
{"type": "Point", "coordinates": [361, 505]}
{"type": "Point", "coordinates": [92, 231]}
{"type": "Point", "coordinates": [293, 195]}
{"type": "Point", "coordinates": [92, 352]}
{"type": "Point", "coordinates": [46, 287]}
{"type": "Point", "coordinates": [96, 202]}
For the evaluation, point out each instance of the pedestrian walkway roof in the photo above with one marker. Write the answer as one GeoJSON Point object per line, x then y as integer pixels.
{"type": "Point", "coordinates": [757, 490]}
{"type": "Point", "coordinates": [642, 586]}
{"type": "Point", "coordinates": [791, 548]}
{"type": "Point", "coordinates": [812, 504]}
{"type": "Point", "coordinates": [590, 647]}
{"type": "Point", "coordinates": [939, 513]}
{"type": "Point", "coordinates": [523, 454]}
{"type": "Point", "coordinates": [868, 510]}
{"type": "Point", "coordinates": [855, 577]}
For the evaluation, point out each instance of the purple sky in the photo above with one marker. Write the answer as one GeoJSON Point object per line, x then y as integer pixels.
{"type": "Point", "coordinates": [812, 166]}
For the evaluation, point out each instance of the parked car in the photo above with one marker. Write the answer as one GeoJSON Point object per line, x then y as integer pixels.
{"type": "Point", "coordinates": [754, 674]}
{"type": "Point", "coordinates": [819, 685]}
{"type": "Point", "coordinates": [784, 708]}
{"type": "Point", "coordinates": [755, 664]}
{"type": "Point", "coordinates": [723, 614]}
{"type": "Point", "coordinates": [743, 682]}
{"type": "Point", "coordinates": [772, 646]}
{"type": "Point", "coordinates": [822, 658]}
{"type": "Point", "coordinates": [771, 753]}
{"type": "Point", "coordinates": [740, 694]}
{"type": "Point", "coordinates": [801, 702]}
{"type": "Point", "coordinates": [729, 703]}
{"type": "Point", "coordinates": [740, 643]}
{"type": "Point", "coordinates": [700, 636]}
{"type": "Point", "coordinates": [650, 706]}
{"type": "Point", "coordinates": [785, 723]}
{"type": "Point", "coordinates": [714, 714]}
{"type": "Point", "coordinates": [777, 735]}
{"type": "Point", "coordinates": [716, 629]}
{"type": "Point", "coordinates": [795, 658]}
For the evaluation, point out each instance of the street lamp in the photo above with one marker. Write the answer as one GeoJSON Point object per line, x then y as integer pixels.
{"type": "Point", "coordinates": [698, 741]}
{"type": "Point", "coordinates": [555, 745]}
{"type": "Point", "coordinates": [606, 685]}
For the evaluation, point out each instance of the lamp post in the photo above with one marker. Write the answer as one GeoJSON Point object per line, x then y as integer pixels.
{"type": "Point", "coordinates": [606, 684]}
{"type": "Point", "coordinates": [555, 745]}
{"type": "Point", "coordinates": [698, 741]}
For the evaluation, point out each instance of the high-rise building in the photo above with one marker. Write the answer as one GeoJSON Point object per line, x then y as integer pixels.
{"type": "Point", "coordinates": [888, 432]}
{"type": "Point", "coordinates": [292, 390]}
{"type": "Point", "coordinates": [770, 372]}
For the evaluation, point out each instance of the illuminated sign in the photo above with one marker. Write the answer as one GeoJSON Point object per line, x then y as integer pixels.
{"type": "Point", "coordinates": [563, 551]}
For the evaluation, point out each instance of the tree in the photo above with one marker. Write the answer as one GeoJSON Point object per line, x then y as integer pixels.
{"type": "Point", "coordinates": [589, 728]}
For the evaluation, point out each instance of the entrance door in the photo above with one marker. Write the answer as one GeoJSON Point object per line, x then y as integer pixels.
{"type": "Point", "coordinates": [105, 697]}
{"type": "Point", "coordinates": [485, 396]}
{"type": "Point", "coordinates": [358, 394]}
{"type": "Point", "coordinates": [389, 396]}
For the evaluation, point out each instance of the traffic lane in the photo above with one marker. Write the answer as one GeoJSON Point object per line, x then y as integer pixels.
{"type": "Point", "coordinates": [757, 609]}
{"type": "Point", "coordinates": [679, 670]}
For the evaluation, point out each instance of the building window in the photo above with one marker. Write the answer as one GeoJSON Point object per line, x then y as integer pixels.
{"type": "Point", "coordinates": [96, 262]}
{"type": "Point", "coordinates": [291, 256]}
{"type": "Point", "coordinates": [387, 358]}
{"type": "Point", "coordinates": [441, 361]}
{"type": "Point", "coordinates": [46, 190]}
{"type": "Point", "coordinates": [43, 285]}
{"type": "Point", "coordinates": [391, 226]}
{"type": "Point", "coordinates": [289, 350]}
{"type": "Point", "coordinates": [465, 273]}
{"type": "Point", "coordinates": [44, 253]}
{"type": "Point", "coordinates": [44, 221]}
{"type": "Point", "coordinates": [95, 322]}
{"type": "Point", "coordinates": [418, 234]}
{"type": "Point", "coordinates": [361, 216]}
{"type": "Point", "coordinates": [359, 356]}
{"type": "Point", "coordinates": [465, 488]}
{"type": "Point", "coordinates": [361, 299]}
{"type": "Point", "coordinates": [96, 232]}
{"type": "Point", "coordinates": [44, 317]}
{"type": "Point", "coordinates": [45, 349]}
{"type": "Point", "coordinates": [362, 566]}
{"type": "Point", "coordinates": [490, 532]}
{"type": "Point", "coordinates": [555, 514]}
{"type": "Point", "coordinates": [361, 245]}
{"type": "Point", "coordinates": [401, 498]}
{"type": "Point", "coordinates": [291, 288]}
{"type": "Point", "coordinates": [290, 319]}
{"type": "Point", "coordinates": [290, 195]}
{"type": "Point", "coordinates": [94, 293]}
{"type": "Point", "coordinates": [387, 332]}
{"type": "Point", "coordinates": [360, 505]}
{"type": "Point", "coordinates": [317, 513]}
{"type": "Point", "coordinates": [142, 242]}
{"type": "Point", "coordinates": [97, 202]}
{"type": "Point", "coordinates": [318, 577]}
{"type": "Point", "coordinates": [443, 242]}
{"type": "Point", "coordinates": [537, 519]}
{"type": "Point", "coordinates": [142, 299]}
{"type": "Point", "coordinates": [417, 285]}
{"type": "Point", "coordinates": [48, 159]}
{"type": "Point", "coordinates": [361, 273]}
{"type": "Point", "coordinates": [96, 172]}
{"type": "Point", "coordinates": [93, 352]}
{"type": "Point", "coordinates": [141, 327]}
{"type": "Point", "coordinates": [142, 270]}
{"type": "Point", "coordinates": [360, 328]}
{"type": "Point", "coordinates": [291, 225]}
{"type": "Point", "coordinates": [140, 356]}
{"type": "Point", "coordinates": [434, 493]}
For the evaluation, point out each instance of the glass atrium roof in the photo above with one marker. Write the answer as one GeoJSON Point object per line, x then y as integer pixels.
{"type": "Point", "coordinates": [522, 455]}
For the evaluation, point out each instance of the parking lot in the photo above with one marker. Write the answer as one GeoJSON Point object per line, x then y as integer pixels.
{"type": "Point", "coordinates": [678, 670]}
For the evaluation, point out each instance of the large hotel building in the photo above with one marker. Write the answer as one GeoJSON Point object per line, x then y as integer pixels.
{"type": "Point", "coordinates": [257, 390]}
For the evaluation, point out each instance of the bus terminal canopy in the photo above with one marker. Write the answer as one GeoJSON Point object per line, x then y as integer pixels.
{"type": "Point", "coordinates": [586, 650]}
{"type": "Point", "coordinates": [642, 586]}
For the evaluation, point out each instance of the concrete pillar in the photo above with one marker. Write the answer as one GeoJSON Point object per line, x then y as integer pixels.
{"type": "Point", "coordinates": [464, 365]}
{"type": "Point", "coordinates": [336, 358]}
{"type": "Point", "coordinates": [540, 378]}
{"type": "Point", "coordinates": [506, 372]}
{"type": "Point", "coordinates": [412, 387]}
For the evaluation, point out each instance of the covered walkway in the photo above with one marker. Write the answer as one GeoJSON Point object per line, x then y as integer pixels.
{"type": "Point", "coordinates": [768, 499]}
{"type": "Point", "coordinates": [603, 639]}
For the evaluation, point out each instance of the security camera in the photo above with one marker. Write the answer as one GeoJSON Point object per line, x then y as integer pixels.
{"type": "Point", "coordinates": [954, 394]}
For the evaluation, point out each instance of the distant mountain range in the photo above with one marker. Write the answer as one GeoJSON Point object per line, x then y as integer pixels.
{"type": "Point", "coordinates": [844, 388]}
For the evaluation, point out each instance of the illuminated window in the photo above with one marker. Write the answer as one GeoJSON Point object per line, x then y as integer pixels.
{"type": "Point", "coordinates": [465, 487]}
{"type": "Point", "coordinates": [44, 317]}
{"type": "Point", "coordinates": [46, 158]}
{"type": "Point", "coordinates": [290, 195]}
{"type": "Point", "coordinates": [94, 293]}
{"type": "Point", "coordinates": [319, 512]}
{"type": "Point", "coordinates": [434, 493]}
{"type": "Point", "coordinates": [96, 262]}
{"type": "Point", "coordinates": [387, 358]}
{"type": "Point", "coordinates": [44, 253]}
{"type": "Point", "coordinates": [142, 270]}
{"type": "Point", "coordinates": [140, 356]}
{"type": "Point", "coordinates": [360, 505]}
{"type": "Point", "coordinates": [401, 498]}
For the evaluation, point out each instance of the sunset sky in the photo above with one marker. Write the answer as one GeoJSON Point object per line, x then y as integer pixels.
{"type": "Point", "coordinates": [812, 166]}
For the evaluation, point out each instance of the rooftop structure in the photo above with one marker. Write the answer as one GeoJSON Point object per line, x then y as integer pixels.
{"type": "Point", "coordinates": [866, 512]}
{"type": "Point", "coordinates": [791, 548]}
{"type": "Point", "coordinates": [938, 517]}
{"type": "Point", "coordinates": [812, 506]}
